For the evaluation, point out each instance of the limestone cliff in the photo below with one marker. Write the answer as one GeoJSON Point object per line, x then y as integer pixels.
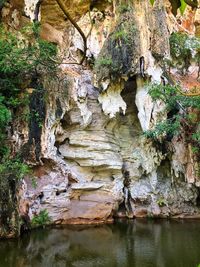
{"type": "Point", "coordinates": [90, 159]}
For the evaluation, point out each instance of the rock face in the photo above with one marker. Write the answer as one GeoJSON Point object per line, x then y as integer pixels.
{"type": "Point", "coordinates": [95, 162]}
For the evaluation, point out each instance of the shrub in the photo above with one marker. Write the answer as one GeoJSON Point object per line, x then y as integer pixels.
{"type": "Point", "coordinates": [182, 115]}
{"type": "Point", "coordinates": [13, 167]}
{"type": "Point", "coordinates": [20, 60]}
{"type": "Point", "coordinates": [184, 49]}
{"type": "Point", "coordinates": [104, 62]}
{"type": "Point", "coordinates": [41, 219]}
{"type": "Point", "coordinates": [169, 128]}
{"type": "Point", "coordinates": [24, 58]}
{"type": "Point", "coordinates": [120, 35]}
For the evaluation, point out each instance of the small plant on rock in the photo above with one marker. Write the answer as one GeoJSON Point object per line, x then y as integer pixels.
{"type": "Point", "coordinates": [161, 202]}
{"type": "Point", "coordinates": [184, 50]}
{"type": "Point", "coordinates": [182, 113]}
{"type": "Point", "coordinates": [41, 219]}
{"type": "Point", "coordinates": [103, 62]}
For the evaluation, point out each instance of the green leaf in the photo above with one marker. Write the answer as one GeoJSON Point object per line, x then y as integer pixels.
{"type": "Point", "coordinates": [175, 6]}
{"type": "Point", "coordinates": [152, 2]}
{"type": "Point", "coordinates": [183, 7]}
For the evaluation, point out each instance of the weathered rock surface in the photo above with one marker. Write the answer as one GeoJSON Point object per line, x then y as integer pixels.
{"type": "Point", "coordinates": [94, 158]}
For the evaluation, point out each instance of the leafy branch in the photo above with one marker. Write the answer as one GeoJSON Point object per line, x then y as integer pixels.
{"type": "Point", "coordinates": [182, 115]}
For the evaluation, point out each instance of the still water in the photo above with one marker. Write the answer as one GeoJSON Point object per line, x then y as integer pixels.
{"type": "Point", "coordinates": [137, 243]}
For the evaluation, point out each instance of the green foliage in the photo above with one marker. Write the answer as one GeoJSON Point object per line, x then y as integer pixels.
{"type": "Point", "coordinates": [172, 97]}
{"type": "Point", "coordinates": [159, 92]}
{"type": "Point", "coordinates": [196, 137]}
{"type": "Point", "coordinates": [23, 58]}
{"type": "Point", "coordinates": [184, 49]}
{"type": "Point", "coordinates": [35, 27]}
{"type": "Point", "coordinates": [182, 115]}
{"type": "Point", "coordinates": [2, 3]}
{"type": "Point", "coordinates": [116, 56]}
{"type": "Point", "coordinates": [152, 2]}
{"type": "Point", "coordinates": [5, 117]}
{"type": "Point", "coordinates": [123, 33]}
{"type": "Point", "coordinates": [5, 114]}
{"type": "Point", "coordinates": [41, 219]}
{"type": "Point", "coordinates": [107, 64]}
{"type": "Point", "coordinates": [120, 35]}
{"type": "Point", "coordinates": [37, 117]}
{"type": "Point", "coordinates": [103, 62]}
{"type": "Point", "coordinates": [161, 202]}
{"type": "Point", "coordinates": [182, 7]}
{"type": "Point", "coordinates": [34, 182]}
{"type": "Point", "coordinates": [169, 127]}
{"type": "Point", "coordinates": [13, 167]}
{"type": "Point", "coordinates": [19, 61]}
{"type": "Point", "coordinates": [182, 118]}
{"type": "Point", "coordinates": [123, 8]}
{"type": "Point", "coordinates": [11, 172]}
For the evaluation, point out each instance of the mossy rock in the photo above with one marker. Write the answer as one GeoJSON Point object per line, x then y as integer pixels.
{"type": "Point", "coordinates": [119, 51]}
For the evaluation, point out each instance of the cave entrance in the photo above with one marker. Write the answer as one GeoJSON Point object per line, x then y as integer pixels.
{"type": "Point", "coordinates": [129, 93]}
{"type": "Point", "coordinates": [130, 122]}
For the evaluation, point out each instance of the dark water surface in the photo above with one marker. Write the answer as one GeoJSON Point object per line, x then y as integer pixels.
{"type": "Point", "coordinates": [124, 244]}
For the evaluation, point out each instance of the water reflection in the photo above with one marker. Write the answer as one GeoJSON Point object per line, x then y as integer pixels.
{"type": "Point", "coordinates": [125, 244]}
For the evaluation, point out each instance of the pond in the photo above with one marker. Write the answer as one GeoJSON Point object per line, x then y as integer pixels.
{"type": "Point", "coordinates": [137, 243]}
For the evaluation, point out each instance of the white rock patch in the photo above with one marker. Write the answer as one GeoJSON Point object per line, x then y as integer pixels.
{"type": "Point", "coordinates": [29, 8]}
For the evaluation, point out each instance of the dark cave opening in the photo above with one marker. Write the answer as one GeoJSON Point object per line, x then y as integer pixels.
{"type": "Point", "coordinates": [131, 117]}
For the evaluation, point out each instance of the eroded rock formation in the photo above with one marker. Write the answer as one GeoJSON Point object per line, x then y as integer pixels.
{"type": "Point", "coordinates": [91, 161]}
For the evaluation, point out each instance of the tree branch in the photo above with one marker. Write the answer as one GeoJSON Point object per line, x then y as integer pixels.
{"type": "Point", "coordinates": [73, 22]}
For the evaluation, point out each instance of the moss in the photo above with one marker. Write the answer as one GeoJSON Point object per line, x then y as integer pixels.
{"type": "Point", "coordinates": [115, 58]}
